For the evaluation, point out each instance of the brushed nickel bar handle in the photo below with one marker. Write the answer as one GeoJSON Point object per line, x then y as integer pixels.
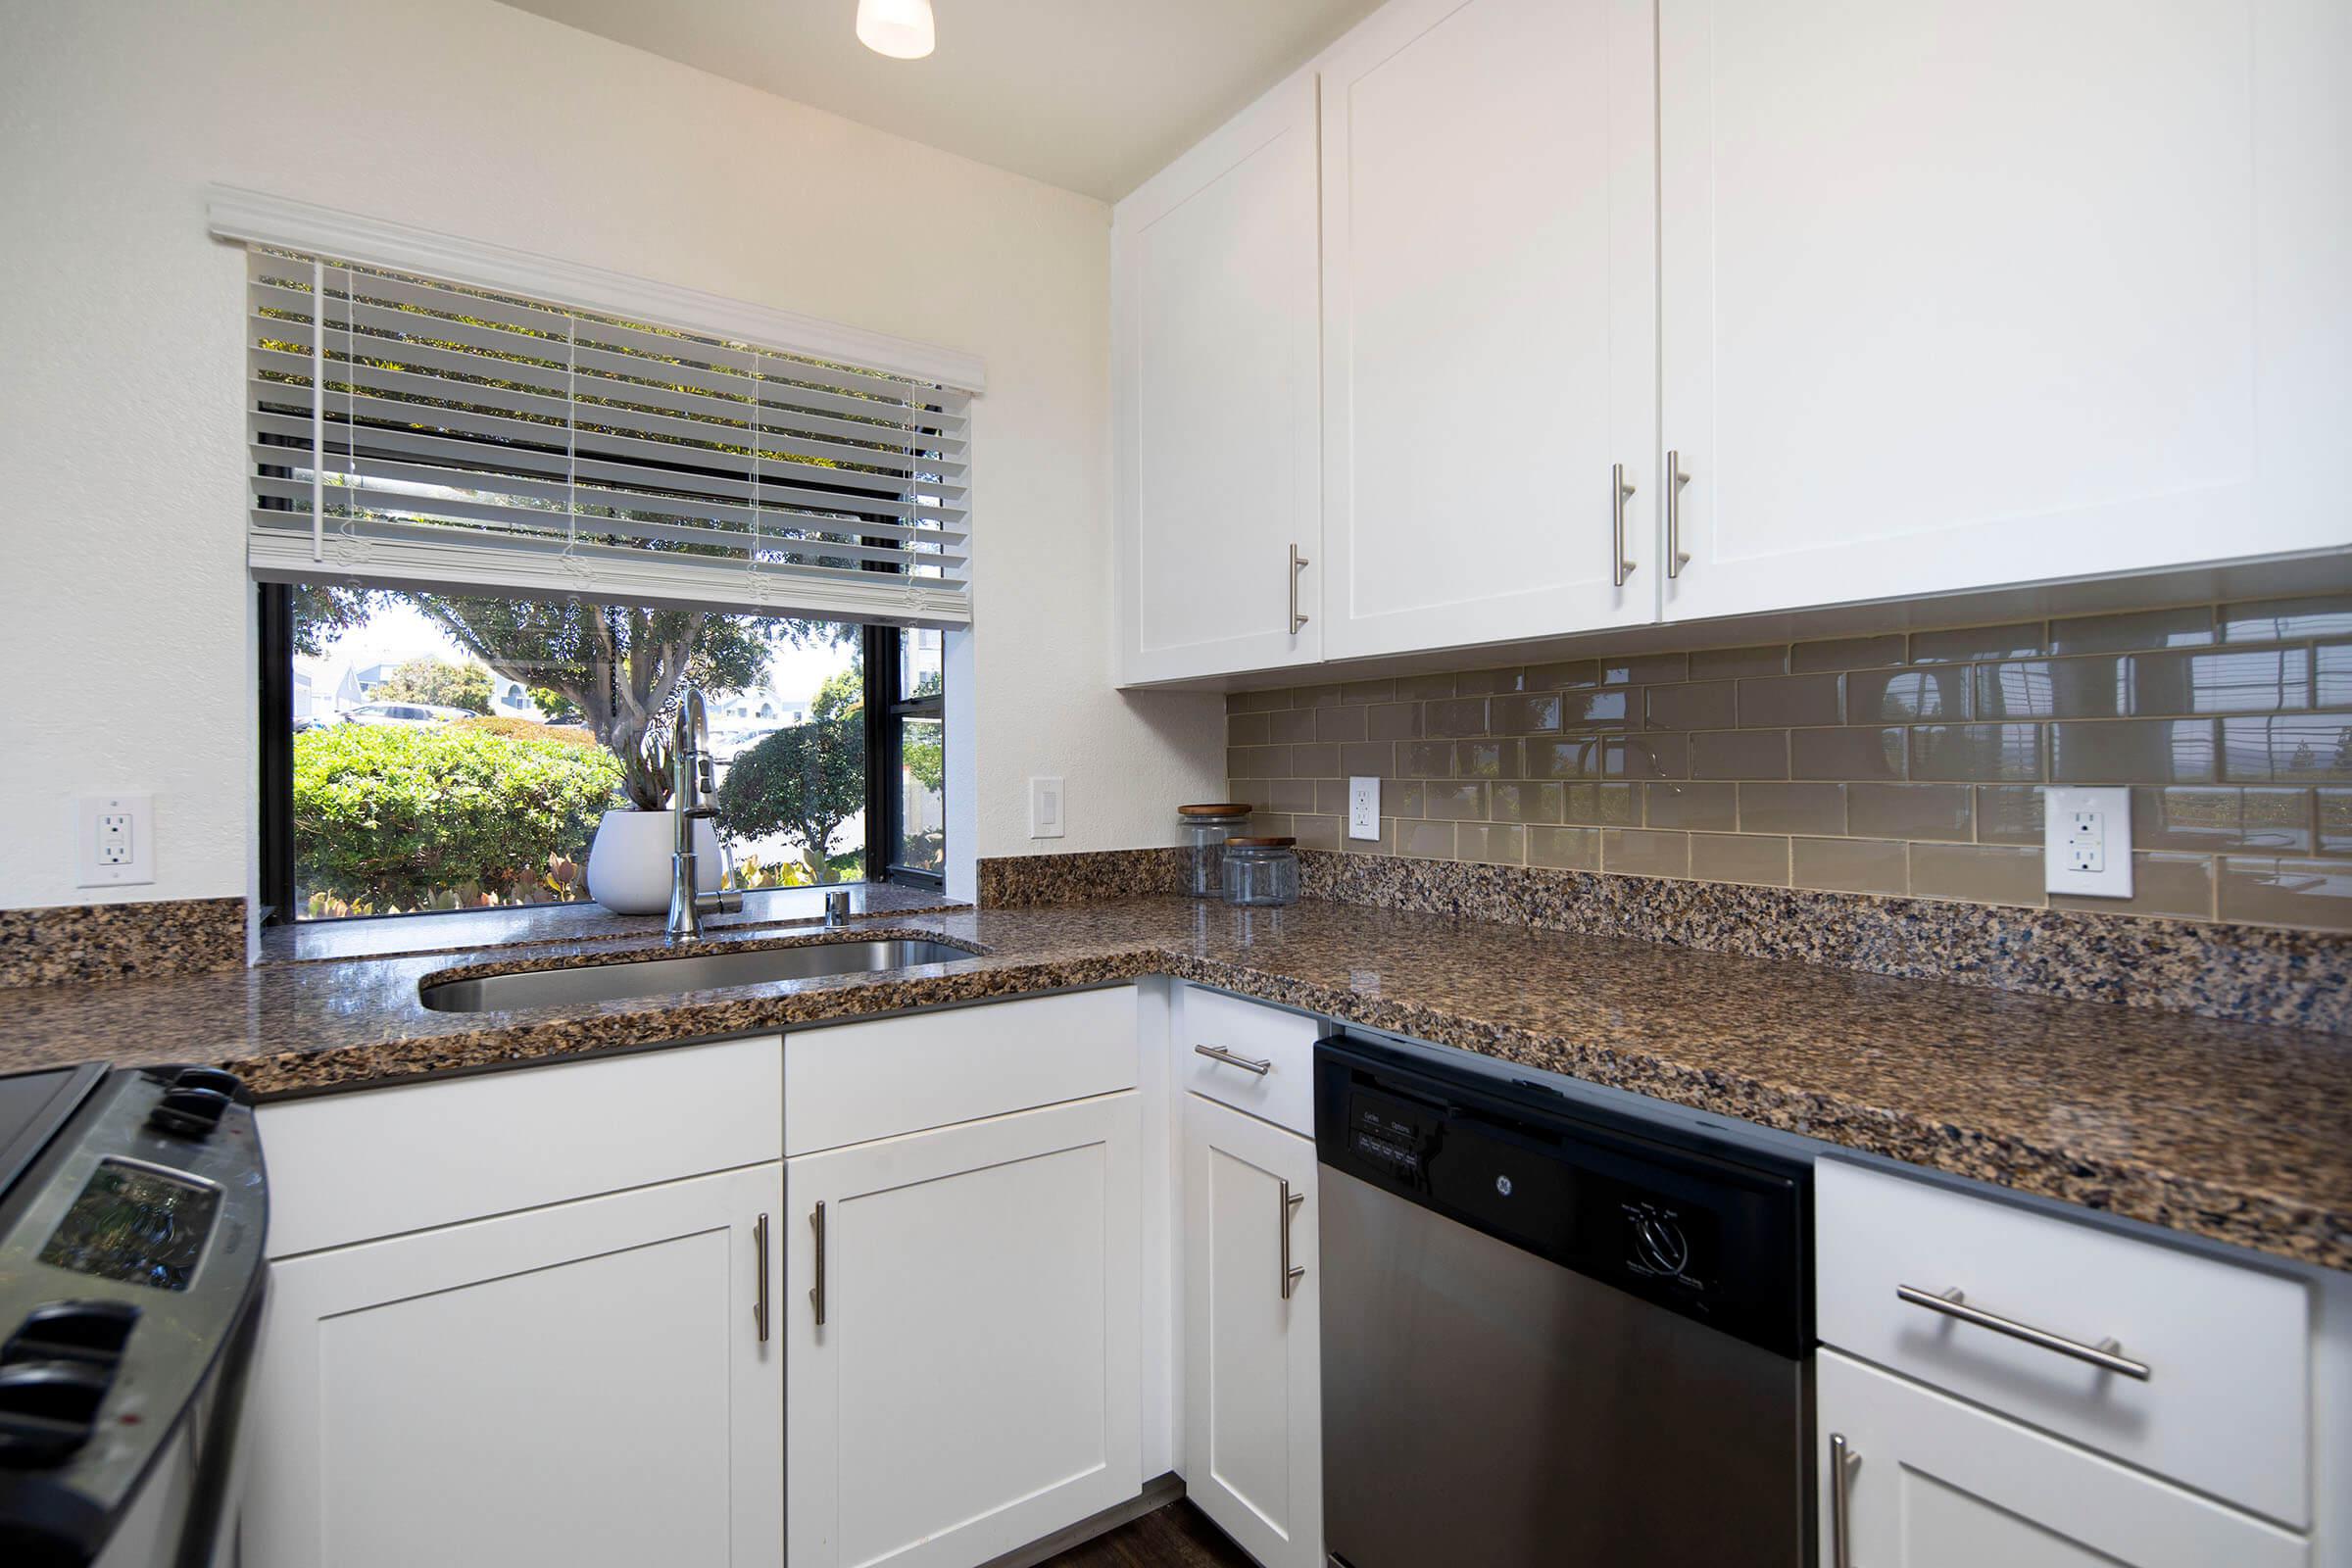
{"type": "Point", "coordinates": [1298, 564]}
{"type": "Point", "coordinates": [817, 1292]}
{"type": "Point", "coordinates": [760, 1255]}
{"type": "Point", "coordinates": [1621, 490]}
{"type": "Point", "coordinates": [1843, 1462]}
{"type": "Point", "coordinates": [2107, 1355]}
{"type": "Point", "coordinates": [1291, 1276]}
{"type": "Point", "coordinates": [1677, 558]}
{"type": "Point", "coordinates": [1246, 1063]}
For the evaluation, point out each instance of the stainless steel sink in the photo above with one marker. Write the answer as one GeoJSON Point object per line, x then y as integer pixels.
{"type": "Point", "coordinates": [671, 974]}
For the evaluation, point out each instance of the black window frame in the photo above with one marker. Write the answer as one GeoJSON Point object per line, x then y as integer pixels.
{"type": "Point", "coordinates": [887, 707]}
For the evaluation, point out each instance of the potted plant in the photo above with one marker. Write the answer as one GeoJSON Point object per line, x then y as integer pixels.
{"type": "Point", "coordinates": [629, 862]}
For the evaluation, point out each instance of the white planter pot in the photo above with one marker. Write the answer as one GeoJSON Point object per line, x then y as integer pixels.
{"type": "Point", "coordinates": [628, 865]}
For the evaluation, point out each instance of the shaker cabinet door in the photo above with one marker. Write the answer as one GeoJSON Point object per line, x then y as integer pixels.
{"type": "Point", "coordinates": [1972, 293]}
{"type": "Point", "coordinates": [1253, 1378]}
{"type": "Point", "coordinates": [1490, 345]}
{"type": "Point", "coordinates": [587, 1384]}
{"type": "Point", "coordinates": [962, 1334]}
{"type": "Point", "coordinates": [1217, 420]}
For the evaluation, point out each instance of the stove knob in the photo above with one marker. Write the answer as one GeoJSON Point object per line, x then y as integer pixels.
{"type": "Point", "coordinates": [72, 1331]}
{"type": "Point", "coordinates": [48, 1409]}
{"type": "Point", "coordinates": [189, 1112]}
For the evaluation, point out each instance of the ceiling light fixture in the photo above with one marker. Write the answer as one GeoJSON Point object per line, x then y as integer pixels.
{"type": "Point", "coordinates": [899, 29]}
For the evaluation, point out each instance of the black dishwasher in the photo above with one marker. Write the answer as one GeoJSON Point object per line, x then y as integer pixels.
{"type": "Point", "coordinates": [1553, 1333]}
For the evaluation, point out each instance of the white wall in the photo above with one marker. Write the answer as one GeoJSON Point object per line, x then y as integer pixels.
{"type": "Point", "coordinates": [122, 588]}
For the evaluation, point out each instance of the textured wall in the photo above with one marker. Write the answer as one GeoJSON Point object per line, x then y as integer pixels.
{"type": "Point", "coordinates": [1898, 763]}
{"type": "Point", "coordinates": [121, 438]}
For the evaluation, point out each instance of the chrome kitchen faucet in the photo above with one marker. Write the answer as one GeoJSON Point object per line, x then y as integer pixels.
{"type": "Point", "coordinates": [691, 782]}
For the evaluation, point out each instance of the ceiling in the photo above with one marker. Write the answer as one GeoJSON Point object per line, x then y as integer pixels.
{"type": "Point", "coordinates": [1091, 95]}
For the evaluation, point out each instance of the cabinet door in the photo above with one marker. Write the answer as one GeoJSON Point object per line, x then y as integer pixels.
{"type": "Point", "coordinates": [1252, 1370]}
{"type": "Point", "coordinates": [1938, 1484]}
{"type": "Point", "coordinates": [1215, 409]}
{"type": "Point", "coordinates": [974, 1383]}
{"type": "Point", "coordinates": [1489, 342]}
{"type": "Point", "coordinates": [584, 1383]}
{"type": "Point", "coordinates": [1970, 292]}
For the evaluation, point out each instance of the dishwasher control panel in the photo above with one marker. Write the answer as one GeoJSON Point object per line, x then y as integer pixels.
{"type": "Point", "coordinates": [1678, 1222]}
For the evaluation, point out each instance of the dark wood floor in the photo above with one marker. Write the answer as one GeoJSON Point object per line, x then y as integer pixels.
{"type": "Point", "coordinates": [1178, 1535]}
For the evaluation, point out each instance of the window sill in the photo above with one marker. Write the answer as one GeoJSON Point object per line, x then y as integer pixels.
{"type": "Point", "coordinates": [466, 930]}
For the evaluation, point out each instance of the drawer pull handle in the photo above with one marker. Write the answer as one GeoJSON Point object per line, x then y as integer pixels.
{"type": "Point", "coordinates": [2107, 1355]}
{"type": "Point", "coordinates": [817, 1290]}
{"type": "Point", "coordinates": [1292, 1273]}
{"type": "Point", "coordinates": [759, 1263]}
{"type": "Point", "coordinates": [1220, 1054]}
{"type": "Point", "coordinates": [1843, 1462]}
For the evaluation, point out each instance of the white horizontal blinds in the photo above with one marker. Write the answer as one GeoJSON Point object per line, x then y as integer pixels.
{"type": "Point", "coordinates": [415, 433]}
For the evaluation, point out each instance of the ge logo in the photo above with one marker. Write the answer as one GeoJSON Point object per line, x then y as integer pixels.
{"type": "Point", "coordinates": [1502, 1185]}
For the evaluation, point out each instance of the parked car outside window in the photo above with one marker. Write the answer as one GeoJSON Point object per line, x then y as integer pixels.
{"type": "Point", "coordinates": [402, 713]}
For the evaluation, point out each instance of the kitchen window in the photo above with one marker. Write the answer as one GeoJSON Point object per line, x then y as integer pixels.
{"type": "Point", "coordinates": [426, 751]}
{"type": "Point", "coordinates": [497, 534]}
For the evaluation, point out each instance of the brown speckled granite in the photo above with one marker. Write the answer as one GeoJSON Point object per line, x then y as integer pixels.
{"type": "Point", "coordinates": [2238, 1132]}
{"type": "Point", "coordinates": [79, 942]}
{"type": "Point", "coordinates": [2248, 973]}
{"type": "Point", "coordinates": [464, 931]}
{"type": "Point", "coordinates": [1017, 881]}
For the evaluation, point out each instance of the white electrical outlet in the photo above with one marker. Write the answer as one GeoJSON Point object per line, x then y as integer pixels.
{"type": "Point", "coordinates": [114, 839]}
{"type": "Point", "coordinates": [1363, 808]}
{"type": "Point", "coordinates": [1046, 807]}
{"type": "Point", "coordinates": [2086, 841]}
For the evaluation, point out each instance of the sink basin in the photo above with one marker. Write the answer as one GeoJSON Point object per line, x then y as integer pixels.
{"type": "Point", "coordinates": [673, 973]}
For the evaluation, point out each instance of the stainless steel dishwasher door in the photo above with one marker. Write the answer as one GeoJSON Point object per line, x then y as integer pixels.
{"type": "Point", "coordinates": [1486, 1408]}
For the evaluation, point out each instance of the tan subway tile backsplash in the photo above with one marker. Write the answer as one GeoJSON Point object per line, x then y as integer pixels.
{"type": "Point", "coordinates": [1894, 762]}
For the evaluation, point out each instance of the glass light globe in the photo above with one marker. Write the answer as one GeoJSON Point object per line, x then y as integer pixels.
{"type": "Point", "coordinates": [899, 29]}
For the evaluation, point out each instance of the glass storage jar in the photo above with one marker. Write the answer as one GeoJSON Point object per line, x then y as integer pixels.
{"type": "Point", "coordinates": [1259, 872]}
{"type": "Point", "coordinates": [1206, 829]}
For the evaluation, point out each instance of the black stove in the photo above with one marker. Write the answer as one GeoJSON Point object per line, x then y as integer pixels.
{"type": "Point", "coordinates": [132, 1212]}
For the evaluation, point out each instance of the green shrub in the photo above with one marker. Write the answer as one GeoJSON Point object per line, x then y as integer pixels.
{"type": "Point", "coordinates": [524, 729]}
{"type": "Point", "coordinates": [389, 817]}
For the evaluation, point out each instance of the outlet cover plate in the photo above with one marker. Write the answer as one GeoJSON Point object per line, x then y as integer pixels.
{"type": "Point", "coordinates": [114, 839]}
{"type": "Point", "coordinates": [1364, 808]}
{"type": "Point", "coordinates": [2086, 841]}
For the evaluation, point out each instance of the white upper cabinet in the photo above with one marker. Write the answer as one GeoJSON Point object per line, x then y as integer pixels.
{"type": "Point", "coordinates": [1962, 293]}
{"type": "Point", "coordinates": [1490, 345]}
{"type": "Point", "coordinates": [1217, 452]}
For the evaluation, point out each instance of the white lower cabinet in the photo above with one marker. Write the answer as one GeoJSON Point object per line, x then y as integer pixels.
{"type": "Point", "coordinates": [1935, 1483]}
{"type": "Point", "coordinates": [961, 1325]}
{"type": "Point", "coordinates": [586, 1383]}
{"type": "Point", "coordinates": [1252, 1406]}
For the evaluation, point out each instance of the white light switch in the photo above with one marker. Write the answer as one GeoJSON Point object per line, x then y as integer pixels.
{"type": "Point", "coordinates": [1045, 808]}
{"type": "Point", "coordinates": [2086, 842]}
{"type": "Point", "coordinates": [1364, 808]}
{"type": "Point", "coordinates": [114, 839]}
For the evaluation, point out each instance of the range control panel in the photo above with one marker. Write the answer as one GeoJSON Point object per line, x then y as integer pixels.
{"type": "Point", "coordinates": [1720, 1240]}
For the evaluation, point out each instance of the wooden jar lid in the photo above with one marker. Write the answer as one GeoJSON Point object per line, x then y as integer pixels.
{"type": "Point", "coordinates": [1259, 844]}
{"type": "Point", "coordinates": [1217, 809]}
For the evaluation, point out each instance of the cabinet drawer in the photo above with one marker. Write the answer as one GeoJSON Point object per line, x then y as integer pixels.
{"type": "Point", "coordinates": [374, 1162]}
{"type": "Point", "coordinates": [889, 1076]}
{"type": "Point", "coordinates": [2225, 1407]}
{"type": "Point", "coordinates": [1282, 1043]}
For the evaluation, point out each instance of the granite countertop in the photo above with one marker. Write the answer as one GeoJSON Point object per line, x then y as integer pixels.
{"type": "Point", "coordinates": [2239, 1132]}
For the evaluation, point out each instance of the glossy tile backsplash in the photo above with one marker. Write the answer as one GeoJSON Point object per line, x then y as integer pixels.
{"type": "Point", "coordinates": [1901, 764]}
